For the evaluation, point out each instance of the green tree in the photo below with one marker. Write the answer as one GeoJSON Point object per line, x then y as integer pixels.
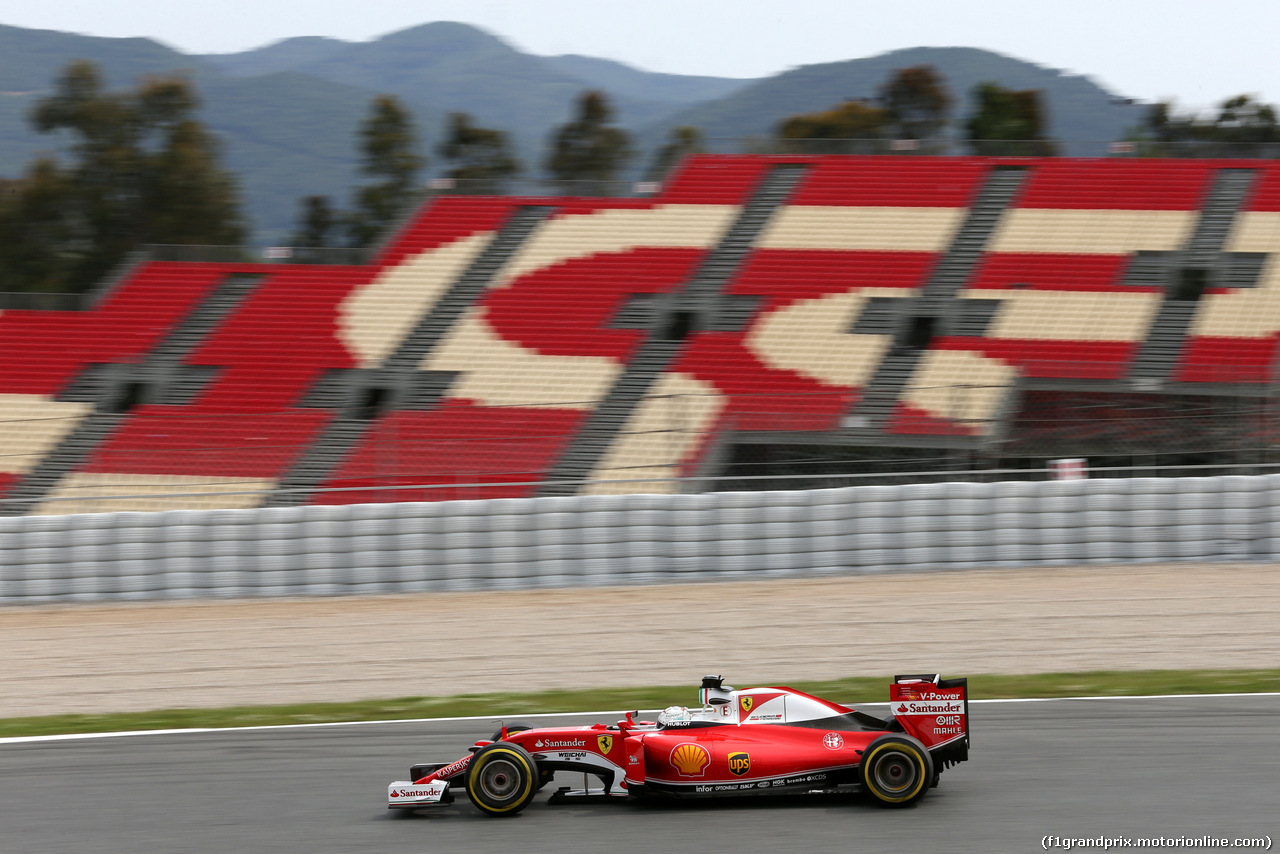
{"type": "Point", "coordinates": [389, 147]}
{"type": "Point", "coordinates": [1008, 122]}
{"type": "Point", "coordinates": [481, 157]}
{"type": "Point", "coordinates": [853, 127]}
{"type": "Point", "coordinates": [143, 170]}
{"type": "Point", "coordinates": [918, 104]}
{"type": "Point", "coordinates": [319, 225]}
{"type": "Point", "coordinates": [588, 152]}
{"type": "Point", "coordinates": [682, 142]}
{"type": "Point", "coordinates": [1242, 127]}
{"type": "Point", "coordinates": [37, 230]}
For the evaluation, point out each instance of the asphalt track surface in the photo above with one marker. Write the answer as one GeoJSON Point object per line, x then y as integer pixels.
{"type": "Point", "coordinates": [1192, 766]}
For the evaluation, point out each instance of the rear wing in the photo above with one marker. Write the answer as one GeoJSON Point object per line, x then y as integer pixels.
{"type": "Point", "coordinates": [934, 710]}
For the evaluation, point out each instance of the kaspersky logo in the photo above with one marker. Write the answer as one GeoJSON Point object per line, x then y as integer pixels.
{"type": "Point", "coordinates": [689, 759]}
{"type": "Point", "coordinates": [746, 704]}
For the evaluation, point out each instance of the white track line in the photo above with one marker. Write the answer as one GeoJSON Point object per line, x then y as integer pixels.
{"type": "Point", "coordinates": [34, 739]}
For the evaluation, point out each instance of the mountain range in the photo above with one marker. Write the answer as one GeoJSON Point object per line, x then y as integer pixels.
{"type": "Point", "coordinates": [287, 113]}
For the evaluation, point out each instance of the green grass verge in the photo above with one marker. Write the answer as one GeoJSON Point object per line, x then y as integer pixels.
{"type": "Point", "coordinates": [511, 706]}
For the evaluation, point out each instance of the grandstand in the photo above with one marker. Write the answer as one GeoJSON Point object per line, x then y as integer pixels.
{"type": "Point", "coordinates": [871, 307]}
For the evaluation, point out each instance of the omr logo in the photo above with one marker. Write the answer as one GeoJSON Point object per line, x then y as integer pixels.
{"type": "Point", "coordinates": [739, 763]}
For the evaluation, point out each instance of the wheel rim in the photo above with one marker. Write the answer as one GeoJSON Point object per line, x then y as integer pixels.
{"type": "Point", "coordinates": [499, 779]}
{"type": "Point", "coordinates": [895, 772]}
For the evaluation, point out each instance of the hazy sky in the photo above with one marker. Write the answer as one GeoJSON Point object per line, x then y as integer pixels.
{"type": "Point", "coordinates": [1195, 50]}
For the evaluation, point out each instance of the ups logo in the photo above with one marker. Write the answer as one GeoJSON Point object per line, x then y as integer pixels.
{"type": "Point", "coordinates": [746, 704]}
{"type": "Point", "coordinates": [739, 763]}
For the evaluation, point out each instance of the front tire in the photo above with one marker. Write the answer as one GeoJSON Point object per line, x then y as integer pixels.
{"type": "Point", "coordinates": [896, 770]}
{"type": "Point", "coordinates": [502, 778]}
{"type": "Point", "coordinates": [544, 777]}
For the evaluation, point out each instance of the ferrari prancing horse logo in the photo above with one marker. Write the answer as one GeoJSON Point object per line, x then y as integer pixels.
{"type": "Point", "coordinates": [605, 742]}
{"type": "Point", "coordinates": [746, 704]}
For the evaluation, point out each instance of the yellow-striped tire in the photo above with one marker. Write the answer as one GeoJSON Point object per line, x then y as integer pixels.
{"type": "Point", "coordinates": [502, 778]}
{"type": "Point", "coordinates": [896, 770]}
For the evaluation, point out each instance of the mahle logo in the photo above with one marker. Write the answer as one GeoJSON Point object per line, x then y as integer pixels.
{"type": "Point", "coordinates": [739, 763]}
{"type": "Point", "coordinates": [746, 704]}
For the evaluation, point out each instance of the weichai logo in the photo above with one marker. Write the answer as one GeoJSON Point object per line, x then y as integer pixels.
{"type": "Point", "coordinates": [689, 759]}
{"type": "Point", "coordinates": [746, 704]}
{"type": "Point", "coordinates": [739, 763]}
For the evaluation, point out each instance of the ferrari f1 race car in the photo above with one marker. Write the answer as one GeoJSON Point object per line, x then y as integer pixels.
{"type": "Point", "coordinates": [760, 741]}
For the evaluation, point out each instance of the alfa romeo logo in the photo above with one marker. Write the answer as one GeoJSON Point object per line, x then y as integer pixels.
{"type": "Point", "coordinates": [833, 741]}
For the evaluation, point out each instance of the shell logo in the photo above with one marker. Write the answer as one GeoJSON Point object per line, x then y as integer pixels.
{"type": "Point", "coordinates": [690, 760]}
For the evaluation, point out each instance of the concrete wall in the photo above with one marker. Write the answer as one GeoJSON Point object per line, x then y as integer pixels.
{"type": "Point", "coordinates": [634, 539]}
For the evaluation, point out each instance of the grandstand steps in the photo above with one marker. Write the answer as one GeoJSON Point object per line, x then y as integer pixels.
{"type": "Point", "coordinates": [1186, 276]}
{"type": "Point", "coordinates": [956, 266]}
{"type": "Point", "coordinates": [467, 288]}
{"type": "Point", "coordinates": [66, 456]}
{"type": "Point", "coordinates": [1225, 198]}
{"type": "Point", "coordinates": [720, 266]}
{"type": "Point", "coordinates": [701, 296]}
{"type": "Point", "coordinates": [362, 396]}
{"type": "Point", "coordinates": [881, 393]}
{"type": "Point", "coordinates": [114, 389]}
{"type": "Point", "coordinates": [202, 320]}
{"type": "Point", "coordinates": [1163, 345]}
{"type": "Point", "coordinates": [922, 316]}
{"type": "Point", "coordinates": [325, 453]}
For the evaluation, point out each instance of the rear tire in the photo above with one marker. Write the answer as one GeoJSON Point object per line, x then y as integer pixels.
{"type": "Point", "coordinates": [896, 770]}
{"type": "Point", "coordinates": [502, 778]}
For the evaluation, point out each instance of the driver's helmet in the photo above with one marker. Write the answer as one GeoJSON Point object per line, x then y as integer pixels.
{"type": "Point", "coordinates": [674, 715]}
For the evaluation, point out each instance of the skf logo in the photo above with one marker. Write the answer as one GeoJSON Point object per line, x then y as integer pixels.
{"type": "Point", "coordinates": [746, 704]}
{"type": "Point", "coordinates": [690, 759]}
{"type": "Point", "coordinates": [605, 742]}
{"type": "Point", "coordinates": [739, 763]}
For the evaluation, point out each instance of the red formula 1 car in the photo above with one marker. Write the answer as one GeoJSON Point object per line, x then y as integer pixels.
{"type": "Point", "coordinates": [753, 742]}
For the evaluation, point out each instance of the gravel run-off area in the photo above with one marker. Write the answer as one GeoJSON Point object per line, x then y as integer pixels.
{"type": "Point", "coordinates": [137, 657]}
